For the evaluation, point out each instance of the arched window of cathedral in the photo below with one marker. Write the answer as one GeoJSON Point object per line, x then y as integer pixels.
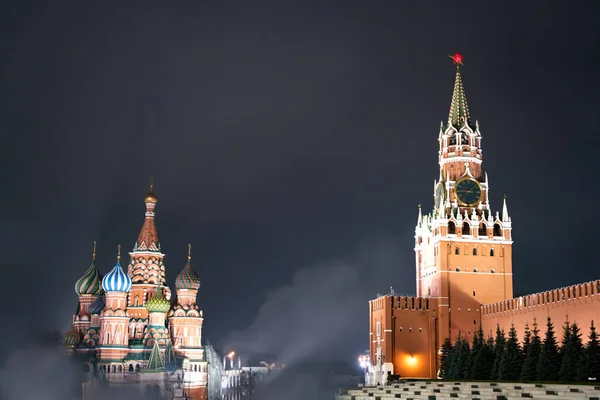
{"type": "Point", "coordinates": [114, 369]}
{"type": "Point", "coordinates": [482, 230]}
{"type": "Point", "coordinates": [137, 301]}
{"type": "Point", "coordinates": [473, 292]}
{"type": "Point", "coordinates": [474, 322]}
{"type": "Point", "coordinates": [475, 252]}
{"type": "Point", "coordinates": [457, 250]}
{"type": "Point", "coordinates": [497, 230]}
{"type": "Point", "coordinates": [464, 138]}
{"type": "Point", "coordinates": [420, 330]}
{"type": "Point", "coordinates": [400, 329]}
{"type": "Point", "coordinates": [427, 304]}
{"type": "Point", "coordinates": [131, 368]}
{"type": "Point", "coordinates": [491, 252]}
{"type": "Point", "coordinates": [466, 229]}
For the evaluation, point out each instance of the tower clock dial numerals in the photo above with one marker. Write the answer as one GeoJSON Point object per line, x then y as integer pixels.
{"type": "Point", "coordinates": [468, 192]}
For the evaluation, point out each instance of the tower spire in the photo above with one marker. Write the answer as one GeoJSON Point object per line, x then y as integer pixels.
{"type": "Point", "coordinates": [459, 111]}
{"type": "Point", "coordinates": [94, 253]}
{"type": "Point", "coordinates": [148, 237]}
{"type": "Point", "coordinates": [420, 219]}
{"type": "Point", "coordinates": [505, 217]}
{"type": "Point", "coordinates": [189, 252]}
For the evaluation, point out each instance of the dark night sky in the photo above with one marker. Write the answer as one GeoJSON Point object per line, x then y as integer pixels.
{"type": "Point", "coordinates": [290, 144]}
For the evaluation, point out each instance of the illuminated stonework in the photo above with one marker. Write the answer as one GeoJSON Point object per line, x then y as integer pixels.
{"type": "Point", "coordinates": [124, 321]}
{"type": "Point", "coordinates": [464, 275]}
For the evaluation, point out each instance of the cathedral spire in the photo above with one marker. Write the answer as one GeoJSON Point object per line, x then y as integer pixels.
{"type": "Point", "coordinates": [459, 111]}
{"type": "Point", "coordinates": [148, 238]}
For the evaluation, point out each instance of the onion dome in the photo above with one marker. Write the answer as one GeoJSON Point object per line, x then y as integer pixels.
{"type": "Point", "coordinates": [151, 197]}
{"type": "Point", "coordinates": [117, 280]}
{"type": "Point", "coordinates": [72, 338]}
{"type": "Point", "coordinates": [158, 303]}
{"type": "Point", "coordinates": [90, 282]}
{"type": "Point", "coordinates": [98, 305]}
{"type": "Point", "coordinates": [187, 278]}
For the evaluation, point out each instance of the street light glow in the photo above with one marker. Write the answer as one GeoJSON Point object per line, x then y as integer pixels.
{"type": "Point", "coordinates": [231, 354]}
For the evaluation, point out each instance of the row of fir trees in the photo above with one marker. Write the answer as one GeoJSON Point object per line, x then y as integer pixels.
{"type": "Point", "coordinates": [535, 359]}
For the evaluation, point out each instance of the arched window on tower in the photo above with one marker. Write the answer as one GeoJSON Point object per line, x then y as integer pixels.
{"type": "Point", "coordinates": [466, 229]}
{"type": "Point", "coordinates": [491, 252]}
{"type": "Point", "coordinates": [464, 138]}
{"type": "Point", "coordinates": [451, 228]}
{"type": "Point", "coordinates": [457, 250]}
{"type": "Point", "coordinates": [452, 140]}
{"type": "Point", "coordinates": [475, 252]}
{"type": "Point", "coordinates": [482, 230]}
{"type": "Point", "coordinates": [497, 230]}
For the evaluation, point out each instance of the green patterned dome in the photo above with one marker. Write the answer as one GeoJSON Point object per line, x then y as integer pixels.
{"type": "Point", "coordinates": [72, 338]}
{"type": "Point", "coordinates": [158, 302]}
{"type": "Point", "coordinates": [91, 281]}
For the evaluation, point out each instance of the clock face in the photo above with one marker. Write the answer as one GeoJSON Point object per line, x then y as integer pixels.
{"type": "Point", "coordinates": [439, 194]}
{"type": "Point", "coordinates": [468, 192]}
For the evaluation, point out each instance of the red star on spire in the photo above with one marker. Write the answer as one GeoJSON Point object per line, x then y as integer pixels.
{"type": "Point", "coordinates": [457, 58]}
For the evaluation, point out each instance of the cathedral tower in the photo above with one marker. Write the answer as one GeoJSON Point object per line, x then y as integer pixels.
{"type": "Point", "coordinates": [146, 268]}
{"type": "Point", "coordinates": [114, 337]}
{"type": "Point", "coordinates": [88, 287]}
{"type": "Point", "coordinates": [463, 249]}
{"type": "Point", "coordinates": [185, 319]}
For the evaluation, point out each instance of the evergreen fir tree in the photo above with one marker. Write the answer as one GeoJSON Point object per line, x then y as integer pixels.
{"type": "Point", "coordinates": [583, 366]}
{"type": "Point", "coordinates": [511, 362]}
{"type": "Point", "coordinates": [499, 345]}
{"type": "Point", "coordinates": [548, 367]}
{"type": "Point", "coordinates": [453, 360]}
{"type": "Point", "coordinates": [445, 358]}
{"type": "Point", "coordinates": [478, 341]}
{"type": "Point", "coordinates": [571, 354]}
{"type": "Point", "coordinates": [529, 372]}
{"type": "Point", "coordinates": [484, 361]}
{"type": "Point", "coordinates": [463, 360]}
{"type": "Point", "coordinates": [590, 365]}
{"type": "Point", "coordinates": [526, 343]}
{"type": "Point", "coordinates": [564, 343]}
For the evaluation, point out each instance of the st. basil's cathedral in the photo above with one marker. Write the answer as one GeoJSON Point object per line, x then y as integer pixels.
{"type": "Point", "coordinates": [129, 329]}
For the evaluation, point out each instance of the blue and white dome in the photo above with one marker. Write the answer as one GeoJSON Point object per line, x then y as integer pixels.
{"type": "Point", "coordinates": [116, 280]}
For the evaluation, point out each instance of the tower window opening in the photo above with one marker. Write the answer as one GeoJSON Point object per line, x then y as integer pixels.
{"type": "Point", "coordinates": [473, 292]}
{"type": "Point", "coordinates": [497, 230]}
{"type": "Point", "coordinates": [451, 228]}
{"type": "Point", "coordinates": [475, 252]}
{"type": "Point", "coordinates": [400, 329]}
{"type": "Point", "coordinates": [420, 330]}
{"type": "Point", "coordinates": [474, 269]}
{"type": "Point", "coordinates": [457, 250]}
{"type": "Point", "coordinates": [493, 271]}
{"type": "Point", "coordinates": [429, 291]}
{"type": "Point", "coordinates": [466, 229]}
{"type": "Point", "coordinates": [491, 252]}
{"type": "Point", "coordinates": [474, 322]}
{"type": "Point", "coordinates": [410, 330]}
{"type": "Point", "coordinates": [457, 269]}
{"type": "Point", "coordinates": [482, 230]}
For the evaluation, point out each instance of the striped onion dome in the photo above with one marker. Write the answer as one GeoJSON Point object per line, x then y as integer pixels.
{"type": "Point", "coordinates": [187, 278]}
{"type": "Point", "coordinates": [116, 280]}
{"type": "Point", "coordinates": [72, 338]}
{"type": "Point", "coordinates": [90, 282]}
{"type": "Point", "coordinates": [98, 305]}
{"type": "Point", "coordinates": [158, 303]}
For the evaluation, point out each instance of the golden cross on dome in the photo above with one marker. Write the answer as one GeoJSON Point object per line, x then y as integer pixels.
{"type": "Point", "coordinates": [189, 252]}
{"type": "Point", "coordinates": [118, 252]}
{"type": "Point", "coordinates": [457, 58]}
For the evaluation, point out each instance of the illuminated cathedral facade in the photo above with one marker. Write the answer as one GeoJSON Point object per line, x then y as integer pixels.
{"type": "Point", "coordinates": [128, 327]}
{"type": "Point", "coordinates": [464, 270]}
